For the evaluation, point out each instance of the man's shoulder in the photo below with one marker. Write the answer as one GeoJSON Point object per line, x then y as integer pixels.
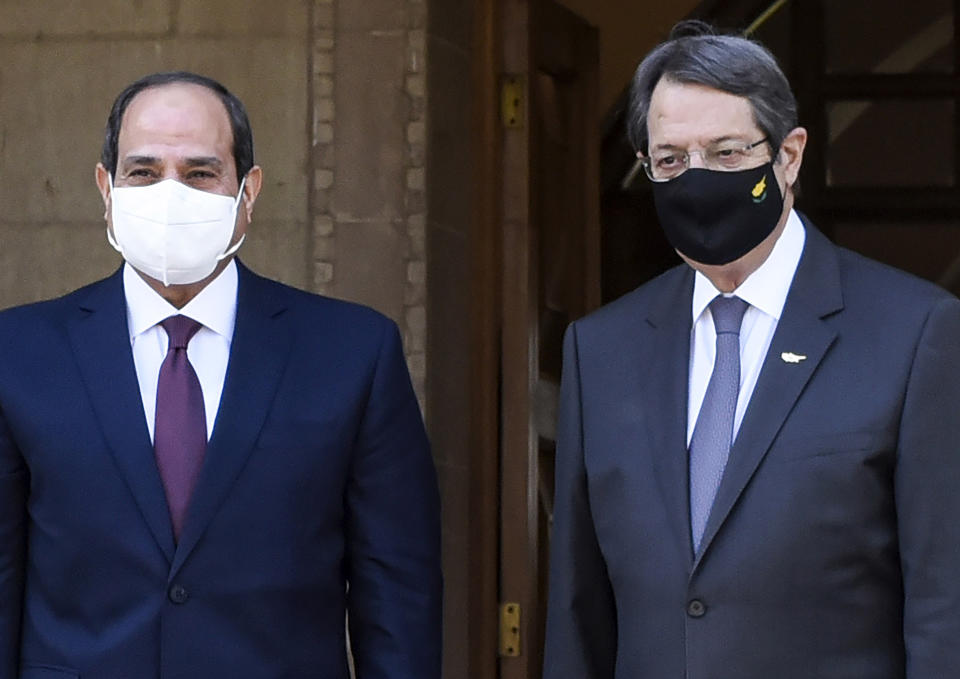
{"type": "Point", "coordinates": [671, 289]}
{"type": "Point", "coordinates": [857, 268]}
{"type": "Point", "coordinates": [57, 308]}
{"type": "Point", "coordinates": [882, 289]}
{"type": "Point", "coordinates": [309, 307]}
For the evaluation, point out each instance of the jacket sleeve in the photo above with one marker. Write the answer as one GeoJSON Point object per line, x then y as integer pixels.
{"type": "Point", "coordinates": [927, 487]}
{"type": "Point", "coordinates": [393, 532]}
{"type": "Point", "coordinates": [13, 516]}
{"type": "Point", "coordinates": [581, 613]}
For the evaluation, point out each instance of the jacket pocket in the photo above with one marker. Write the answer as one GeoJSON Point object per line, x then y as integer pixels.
{"type": "Point", "coordinates": [824, 445]}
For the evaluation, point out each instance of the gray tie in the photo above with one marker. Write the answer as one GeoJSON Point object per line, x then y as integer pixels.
{"type": "Point", "coordinates": [713, 433]}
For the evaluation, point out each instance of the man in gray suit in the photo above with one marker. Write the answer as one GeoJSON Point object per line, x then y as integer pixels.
{"type": "Point", "coordinates": [758, 466]}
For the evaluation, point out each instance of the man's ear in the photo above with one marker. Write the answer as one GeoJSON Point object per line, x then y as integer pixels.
{"type": "Point", "coordinates": [791, 154]}
{"type": "Point", "coordinates": [251, 189]}
{"type": "Point", "coordinates": [102, 177]}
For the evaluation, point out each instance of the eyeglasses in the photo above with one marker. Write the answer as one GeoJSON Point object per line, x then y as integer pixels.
{"type": "Point", "coordinates": [729, 155]}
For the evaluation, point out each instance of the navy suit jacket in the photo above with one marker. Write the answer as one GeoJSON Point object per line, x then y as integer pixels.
{"type": "Point", "coordinates": [317, 496]}
{"type": "Point", "coordinates": [833, 547]}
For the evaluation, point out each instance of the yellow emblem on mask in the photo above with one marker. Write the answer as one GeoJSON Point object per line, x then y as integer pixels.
{"type": "Point", "coordinates": [759, 189]}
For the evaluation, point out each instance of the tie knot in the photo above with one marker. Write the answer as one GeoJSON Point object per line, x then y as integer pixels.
{"type": "Point", "coordinates": [180, 329]}
{"type": "Point", "coordinates": [728, 314]}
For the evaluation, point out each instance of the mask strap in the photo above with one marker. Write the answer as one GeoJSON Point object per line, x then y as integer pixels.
{"type": "Point", "coordinates": [236, 206]}
{"type": "Point", "coordinates": [233, 248]}
{"type": "Point", "coordinates": [110, 238]}
{"type": "Point", "coordinates": [243, 183]}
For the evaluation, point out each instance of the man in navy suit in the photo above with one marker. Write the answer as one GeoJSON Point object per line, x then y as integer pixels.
{"type": "Point", "coordinates": [202, 472]}
{"type": "Point", "coordinates": [803, 523]}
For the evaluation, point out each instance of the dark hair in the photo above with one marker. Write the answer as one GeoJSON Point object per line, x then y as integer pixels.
{"type": "Point", "coordinates": [239, 123]}
{"type": "Point", "coordinates": [696, 54]}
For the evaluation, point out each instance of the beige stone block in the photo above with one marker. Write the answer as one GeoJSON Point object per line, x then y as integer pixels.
{"type": "Point", "coordinates": [323, 86]}
{"type": "Point", "coordinates": [243, 17]}
{"type": "Point", "coordinates": [56, 96]}
{"type": "Point", "coordinates": [415, 59]}
{"type": "Point", "coordinates": [416, 178]}
{"type": "Point", "coordinates": [417, 365]}
{"type": "Point", "coordinates": [323, 62]}
{"type": "Point", "coordinates": [70, 17]}
{"type": "Point", "coordinates": [416, 235]}
{"type": "Point", "coordinates": [371, 126]}
{"type": "Point", "coordinates": [323, 179]}
{"type": "Point", "coordinates": [323, 133]}
{"type": "Point", "coordinates": [415, 201]}
{"type": "Point", "coordinates": [371, 15]}
{"type": "Point", "coordinates": [417, 132]}
{"type": "Point", "coordinates": [44, 260]}
{"type": "Point", "coordinates": [321, 201]}
{"type": "Point", "coordinates": [278, 249]}
{"type": "Point", "coordinates": [370, 269]}
{"type": "Point", "coordinates": [416, 39]}
{"type": "Point", "coordinates": [325, 156]}
{"type": "Point", "coordinates": [416, 86]}
{"type": "Point", "coordinates": [323, 273]}
{"type": "Point", "coordinates": [416, 154]}
{"type": "Point", "coordinates": [415, 294]}
{"type": "Point", "coordinates": [415, 324]}
{"type": "Point", "coordinates": [324, 16]}
{"type": "Point", "coordinates": [416, 271]}
{"type": "Point", "coordinates": [324, 249]}
{"type": "Point", "coordinates": [323, 109]}
{"type": "Point", "coordinates": [324, 39]}
{"type": "Point", "coordinates": [322, 226]}
{"type": "Point", "coordinates": [418, 108]}
{"type": "Point", "coordinates": [417, 17]}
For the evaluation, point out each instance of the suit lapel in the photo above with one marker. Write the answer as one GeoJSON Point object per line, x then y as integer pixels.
{"type": "Point", "coordinates": [814, 294]}
{"type": "Point", "coordinates": [666, 384]}
{"type": "Point", "coordinates": [101, 343]}
{"type": "Point", "coordinates": [258, 356]}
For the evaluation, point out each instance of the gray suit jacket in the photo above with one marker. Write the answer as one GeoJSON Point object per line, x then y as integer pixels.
{"type": "Point", "coordinates": [833, 547]}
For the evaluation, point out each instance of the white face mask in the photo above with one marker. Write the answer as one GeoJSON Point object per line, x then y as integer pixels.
{"type": "Point", "coordinates": [171, 232]}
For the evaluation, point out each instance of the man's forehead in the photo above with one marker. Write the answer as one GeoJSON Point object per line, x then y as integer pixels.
{"type": "Point", "coordinates": [684, 108]}
{"type": "Point", "coordinates": [176, 110]}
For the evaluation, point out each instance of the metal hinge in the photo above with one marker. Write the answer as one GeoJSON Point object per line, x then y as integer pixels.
{"type": "Point", "coordinates": [512, 101]}
{"type": "Point", "coordinates": [509, 629]}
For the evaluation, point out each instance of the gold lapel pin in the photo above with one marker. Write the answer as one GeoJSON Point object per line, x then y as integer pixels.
{"type": "Point", "coordinates": [790, 357]}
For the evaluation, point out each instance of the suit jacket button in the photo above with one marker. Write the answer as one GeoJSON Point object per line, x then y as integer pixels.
{"type": "Point", "coordinates": [178, 594]}
{"type": "Point", "coordinates": [696, 608]}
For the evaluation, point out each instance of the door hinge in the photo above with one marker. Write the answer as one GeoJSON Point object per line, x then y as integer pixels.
{"type": "Point", "coordinates": [509, 629]}
{"type": "Point", "coordinates": [512, 101]}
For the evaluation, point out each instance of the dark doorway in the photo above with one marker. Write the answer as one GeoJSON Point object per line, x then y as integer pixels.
{"type": "Point", "coordinates": [878, 85]}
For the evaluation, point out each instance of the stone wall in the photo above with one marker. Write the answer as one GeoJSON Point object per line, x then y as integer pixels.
{"type": "Point", "coordinates": [61, 67]}
{"type": "Point", "coordinates": [335, 90]}
{"type": "Point", "coordinates": [368, 133]}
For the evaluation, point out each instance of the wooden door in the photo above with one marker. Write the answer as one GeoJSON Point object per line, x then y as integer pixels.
{"type": "Point", "coordinates": [551, 276]}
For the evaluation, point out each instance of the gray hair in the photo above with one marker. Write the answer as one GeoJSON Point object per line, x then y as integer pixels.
{"type": "Point", "coordinates": [695, 54]}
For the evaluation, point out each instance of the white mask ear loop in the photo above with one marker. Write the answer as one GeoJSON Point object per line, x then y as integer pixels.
{"type": "Point", "coordinates": [110, 238]}
{"type": "Point", "coordinates": [236, 206]}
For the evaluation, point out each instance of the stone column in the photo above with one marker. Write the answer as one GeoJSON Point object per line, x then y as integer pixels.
{"type": "Point", "coordinates": [367, 199]}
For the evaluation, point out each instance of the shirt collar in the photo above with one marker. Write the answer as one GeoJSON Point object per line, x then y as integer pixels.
{"type": "Point", "coordinates": [215, 306]}
{"type": "Point", "coordinates": [767, 287]}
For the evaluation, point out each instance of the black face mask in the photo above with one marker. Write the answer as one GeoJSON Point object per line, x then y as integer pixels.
{"type": "Point", "coordinates": [715, 217]}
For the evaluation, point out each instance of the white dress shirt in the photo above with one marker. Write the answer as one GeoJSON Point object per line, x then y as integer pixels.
{"type": "Point", "coordinates": [215, 307]}
{"type": "Point", "coordinates": [765, 290]}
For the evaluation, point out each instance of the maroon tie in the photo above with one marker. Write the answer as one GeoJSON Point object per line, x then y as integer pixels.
{"type": "Point", "coordinates": [180, 432]}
